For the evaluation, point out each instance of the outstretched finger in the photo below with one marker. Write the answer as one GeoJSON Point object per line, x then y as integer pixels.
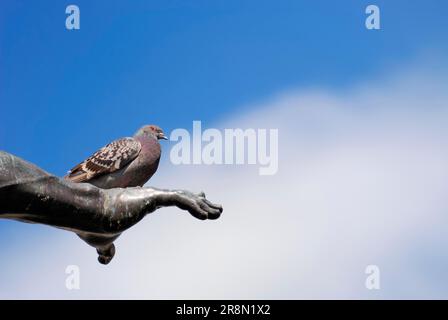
{"type": "Point", "coordinates": [213, 213]}
{"type": "Point", "coordinates": [213, 205]}
{"type": "Point", "coordinates": [199, 213]}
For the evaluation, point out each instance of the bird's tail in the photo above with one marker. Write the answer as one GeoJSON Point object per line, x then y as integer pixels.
{"type": "Point", "coordinates": [76, 176]}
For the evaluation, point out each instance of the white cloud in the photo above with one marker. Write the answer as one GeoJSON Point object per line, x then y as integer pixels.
{"type": "Point", "coordinates": [362, 180]}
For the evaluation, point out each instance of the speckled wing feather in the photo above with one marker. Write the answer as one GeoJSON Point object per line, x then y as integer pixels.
{"type": "Point", "coordinates": [110, 158]}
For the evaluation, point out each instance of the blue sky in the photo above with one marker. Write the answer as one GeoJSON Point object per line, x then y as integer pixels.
{"type": "Point", "coordinates": [64, 94]}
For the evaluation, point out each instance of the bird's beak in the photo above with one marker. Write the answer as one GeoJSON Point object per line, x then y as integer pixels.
{"type": "Point", "coordinates": [163, 136]}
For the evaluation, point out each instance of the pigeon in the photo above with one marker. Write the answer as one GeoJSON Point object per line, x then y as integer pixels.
{"type": "Point", "coordinates": [126, 162]}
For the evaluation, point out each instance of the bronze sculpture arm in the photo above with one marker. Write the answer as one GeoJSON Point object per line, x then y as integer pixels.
{"type": "Point", "coordinates": [98, 216]}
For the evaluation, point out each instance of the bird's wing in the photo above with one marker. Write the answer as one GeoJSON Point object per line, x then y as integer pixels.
{"type": "Point", "coordinates": [110, 158]}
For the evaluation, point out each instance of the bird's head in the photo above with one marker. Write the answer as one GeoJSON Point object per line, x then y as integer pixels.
{"type": "Point", "coordinates": [151, 130]}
